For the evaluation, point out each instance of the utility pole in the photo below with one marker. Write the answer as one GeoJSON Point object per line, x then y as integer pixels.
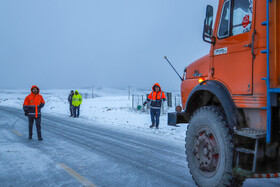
{"type": "Point", "coordinates": [129, 92]}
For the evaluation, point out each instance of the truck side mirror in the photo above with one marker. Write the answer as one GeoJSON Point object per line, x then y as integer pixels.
{"type": "Point", "coordinates": [208, 23]}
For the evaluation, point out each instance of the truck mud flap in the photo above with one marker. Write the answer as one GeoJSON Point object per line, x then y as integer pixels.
{"type": "Point", "coordinates": [173, 118]}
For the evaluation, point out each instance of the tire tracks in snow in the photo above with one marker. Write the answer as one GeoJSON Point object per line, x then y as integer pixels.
{"type": "Point", "coordinates": [122, 152]}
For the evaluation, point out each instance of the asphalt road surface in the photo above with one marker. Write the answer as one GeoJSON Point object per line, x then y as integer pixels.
{"type": "Point", "coordinates": [76, 153]}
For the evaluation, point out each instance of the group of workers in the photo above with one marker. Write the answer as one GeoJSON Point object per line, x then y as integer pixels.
{"type": "Point", "coordinates": [75, 100]}
{"type": "Point", "coordinates": [34, 102]}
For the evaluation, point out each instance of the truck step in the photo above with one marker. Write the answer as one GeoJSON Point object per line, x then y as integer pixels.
{"type": "Point", "coordinates": [255, 134]}
{"type": "Point", "coordinates": [243, 150]}
{"type": "Point", "coordinates": [251, 133]}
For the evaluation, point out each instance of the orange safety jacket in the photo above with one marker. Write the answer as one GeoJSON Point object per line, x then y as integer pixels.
{"type": "Point", "coordinates": [33, 103]}
{"type": "Point", "coordinates": [156, 98]}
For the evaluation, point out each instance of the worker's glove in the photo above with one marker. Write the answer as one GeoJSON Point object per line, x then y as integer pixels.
{"type": "Point", "coordinates": [26, 113]}
{"type": "Point", "coordinates": [41, 105]}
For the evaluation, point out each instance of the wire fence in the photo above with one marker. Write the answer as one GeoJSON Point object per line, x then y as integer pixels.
{"type": "Point", "coordinates": [138, 100]}
{"type": "Point", "coordinates": [172, 101]}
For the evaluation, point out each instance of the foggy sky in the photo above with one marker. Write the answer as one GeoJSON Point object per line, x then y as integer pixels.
{"type": "Point", "coordinates": [111, 43]}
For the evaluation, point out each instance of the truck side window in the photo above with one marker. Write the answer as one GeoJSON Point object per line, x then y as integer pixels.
{"type": "Point", "coordinates": [223, 31]}
{"type": "Point", "coordinates": [242, 16]}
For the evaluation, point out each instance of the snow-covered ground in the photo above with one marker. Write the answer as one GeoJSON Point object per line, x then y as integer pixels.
{"type": "Point", "coordinates": [109, 107]}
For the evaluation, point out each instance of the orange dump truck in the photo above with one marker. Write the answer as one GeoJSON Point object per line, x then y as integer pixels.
{"type": "Point", "coordinates": [231, 97]}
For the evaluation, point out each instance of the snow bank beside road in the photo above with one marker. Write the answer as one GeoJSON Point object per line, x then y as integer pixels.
{"type": "Point", "coordinates": [109, 108]}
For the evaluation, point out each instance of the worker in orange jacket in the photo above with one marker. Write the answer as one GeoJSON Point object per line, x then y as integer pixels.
{"type": "Point", "coordinates": [32, 108]}
{"type": "Point", "coordinates": [155, 98]}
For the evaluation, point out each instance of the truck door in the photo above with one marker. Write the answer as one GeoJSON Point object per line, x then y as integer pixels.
{"type": "Point", "coordinates": [233, 59]}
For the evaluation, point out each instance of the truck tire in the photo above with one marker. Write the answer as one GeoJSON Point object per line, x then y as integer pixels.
{"type": "Point", "coordinates": [209, 148]}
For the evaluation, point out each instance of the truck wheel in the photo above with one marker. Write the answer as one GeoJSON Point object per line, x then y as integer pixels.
{"type": "Point", "coordinates": [209, 148]}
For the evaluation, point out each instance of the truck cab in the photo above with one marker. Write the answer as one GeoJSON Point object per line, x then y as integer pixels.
{"type": "Point", "coordinates": [231, 96]}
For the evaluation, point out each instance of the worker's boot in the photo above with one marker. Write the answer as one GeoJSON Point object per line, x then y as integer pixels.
{"type": "Point", "coordinates": [30, 135]}
{"type": "Point", "coordinates": [40, 136]}
{"type": "Point", "coordinates": [152, 125]}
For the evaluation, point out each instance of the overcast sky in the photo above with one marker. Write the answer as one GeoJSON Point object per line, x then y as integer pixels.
{"type": "Point", "coordinates": [111, 43]}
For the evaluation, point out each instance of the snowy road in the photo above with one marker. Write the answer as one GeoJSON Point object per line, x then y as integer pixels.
{"type": "Point", "coordinates": [75, 153]}
{"type": "Point", "coordinates": [96, 156]}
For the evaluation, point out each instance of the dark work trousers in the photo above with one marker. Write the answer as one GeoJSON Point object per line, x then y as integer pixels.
{"type": "Point", "coordinates": [155, 113]}
{"type": "Point", "coordinates": [76, 111]}
{"type": "Point", "coordinates": [71, 110]}
{"type": "Point", "coordinates": [38, 125]}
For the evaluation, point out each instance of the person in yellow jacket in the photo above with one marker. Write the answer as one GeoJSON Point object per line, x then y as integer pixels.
{"type": "Point", "coordinates": [76, 102]}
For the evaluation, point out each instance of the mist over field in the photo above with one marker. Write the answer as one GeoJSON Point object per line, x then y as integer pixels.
{"type": "Point", "coordinates": [77, 44]}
